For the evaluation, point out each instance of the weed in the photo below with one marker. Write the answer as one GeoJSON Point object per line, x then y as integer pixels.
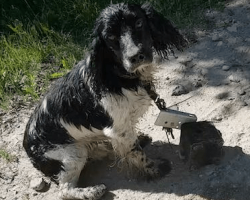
{"type": "Point", "coordinates": [26, 60]}
{"type": "Point", "coordinates": [5, 155]}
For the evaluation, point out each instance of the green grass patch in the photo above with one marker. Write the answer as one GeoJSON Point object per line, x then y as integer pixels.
{"type": "Point", "coordinates": [42, 40]}
{"type": "Point", "coordinates": [27, 61]}
{"type": "Point", "coordinates": [56, 75]}
{"type": "Point", "coordinates": [7, 156]}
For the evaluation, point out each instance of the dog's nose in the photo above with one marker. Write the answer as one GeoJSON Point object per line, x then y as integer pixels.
{"type": "Point", "coordinates": [138, 58]}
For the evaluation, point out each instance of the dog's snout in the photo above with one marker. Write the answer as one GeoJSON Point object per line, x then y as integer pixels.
{"type": "Point", "coordinates": [138, 58]}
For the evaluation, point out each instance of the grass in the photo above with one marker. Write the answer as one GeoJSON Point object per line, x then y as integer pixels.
{"type": "Point", "coordinates": [6, 156]}
{"type": "Point", "coordinates": [42, 40]}
{"type": "Point", "coordinates": [28, 60]}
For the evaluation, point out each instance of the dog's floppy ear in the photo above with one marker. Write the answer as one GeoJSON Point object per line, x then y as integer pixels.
{"type": "Point", "coordinates": [97, 44]}
{"type": "Point", "coordinates": [165, 36]}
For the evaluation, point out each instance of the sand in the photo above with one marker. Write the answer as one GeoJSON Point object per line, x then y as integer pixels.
{"type": "Point", "coordinates": [211, 80]}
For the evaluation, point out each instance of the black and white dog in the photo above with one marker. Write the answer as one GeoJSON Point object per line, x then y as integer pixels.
{"type": "Point", "coordinates": [101, 99]}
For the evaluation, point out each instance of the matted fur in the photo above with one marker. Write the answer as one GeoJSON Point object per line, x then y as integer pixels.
{"type": "Point", "coordinates": [101, 99]}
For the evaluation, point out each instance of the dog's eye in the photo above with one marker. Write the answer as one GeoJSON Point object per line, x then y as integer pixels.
{"type": "Point", "coordinates": [139, 23]}
{"type": "Point", "coordinates": [112, 37]}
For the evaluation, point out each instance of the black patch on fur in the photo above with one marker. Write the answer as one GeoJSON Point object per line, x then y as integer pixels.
{"type": "Point", "coordinates": [76, 98]}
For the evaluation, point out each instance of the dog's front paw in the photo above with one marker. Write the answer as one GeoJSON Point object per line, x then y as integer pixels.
{"type": "Point", "coordinates": [93, 193]}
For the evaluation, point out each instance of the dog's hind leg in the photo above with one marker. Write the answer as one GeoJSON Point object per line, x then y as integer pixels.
{"type": "Point", "coordinates": [73, 158]}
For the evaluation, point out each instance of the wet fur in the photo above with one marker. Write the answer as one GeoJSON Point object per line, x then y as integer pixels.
{"type": "Point", "coordinates": [101, 99]}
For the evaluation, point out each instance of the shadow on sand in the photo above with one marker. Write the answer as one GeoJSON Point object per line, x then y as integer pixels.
{"type": "Point", "coordinates": [226, 180]}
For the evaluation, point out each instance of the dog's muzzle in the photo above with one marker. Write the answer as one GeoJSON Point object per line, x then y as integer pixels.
{"type": "Point", "coordinates": [136, 61]}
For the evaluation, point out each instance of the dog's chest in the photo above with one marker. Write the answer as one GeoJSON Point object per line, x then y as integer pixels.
{"type": "Point", "coordinates": [127, 108]}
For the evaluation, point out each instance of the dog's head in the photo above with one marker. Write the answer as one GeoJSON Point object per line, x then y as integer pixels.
{"type": "Point", "coordinates": [130, 34]}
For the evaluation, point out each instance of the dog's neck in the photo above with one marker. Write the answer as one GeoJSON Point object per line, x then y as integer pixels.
{"type": "Point", "coordinates": [146, 72]}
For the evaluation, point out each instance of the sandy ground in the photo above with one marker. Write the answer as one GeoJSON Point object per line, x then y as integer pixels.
{"type": "Point", "coordinates": [220, 64]}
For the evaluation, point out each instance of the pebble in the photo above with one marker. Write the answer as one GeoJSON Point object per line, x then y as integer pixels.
{"type": "Point", "coordinates": [232, 40]}
{"type": "Point", "coordinates": [37, 184]}
{"type": "Point", "coordinates": [243, 103]}
{"type": "Point", "coordinates": [201, 33]}
{"type": "Point", "coordinates": [2, 112]}
{"type": "Point", "coordinates": [216, 38]}
{"type": "Point", "coordinates": [1, 145]}
{"type": "Point", "coordinates": [242, 92]}
{"type": "Point", "coordinates": [204, 71]}
{"type": "Point", "coordinates": [225, 67]}
{"type": "Point", "coordinates": [234, 78]}
{"type": "Point", "coordinates": [220, 43]}
{"type": "Point", "coordinates": [223, 95]}
{"type": "Point", "coordinates": [197, 83]}
{"type": "Point", "coordinates": [209, 173]}
{"type": "Point", "coordinates": [217, 118]}
{"type": "Point", "coordinates": [179, 90]}
{"type": "Point", "coordinates": [232, 28]}
{"type": "Point", "coordinates": [188, 62]}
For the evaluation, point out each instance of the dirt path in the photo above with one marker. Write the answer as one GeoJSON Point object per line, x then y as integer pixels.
{"type": "Point", "coordinates": [215, 72]}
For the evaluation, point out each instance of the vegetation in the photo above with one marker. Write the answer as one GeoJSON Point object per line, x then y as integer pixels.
{"type": "Point", "coordinates": [41, 40]}
{"type": "Point", "coordinates": [6, 156]}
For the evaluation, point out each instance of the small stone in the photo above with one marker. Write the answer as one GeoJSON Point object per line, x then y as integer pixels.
{"type": "Point", "coordinates": [232, 28]}
{"type": "Point", "coordinates": [188, 62]}
{"type": "Point", "coordinates": [216, 38]}
{"type": "Point", "coordinates": [209, 173]}
{"type": "Point", "coordinates": [197, 83]}
{"type": "Point", "coordinates": [204, 72]}
{"type": "Point", "coordinates": [243, 103]}
{"type": "Point", "coordinates": [225, 67]}
{"type": "Point", "coordinates": [232, 40]}
{"type": "Point", "coordinates": [179, 90]}
{"type": "Point", "coordinates": [217, 118]}
{"type": "Point", "coordinates": [242, 92]}
{"type": "Point", "coordinates": [220, 43]}
{"type": "Point", "coordinates": [234, 78]}
{"type": "Point", "coordinates": [37, 184]}
{"type": "Point", "coordinates": [201, 33]}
